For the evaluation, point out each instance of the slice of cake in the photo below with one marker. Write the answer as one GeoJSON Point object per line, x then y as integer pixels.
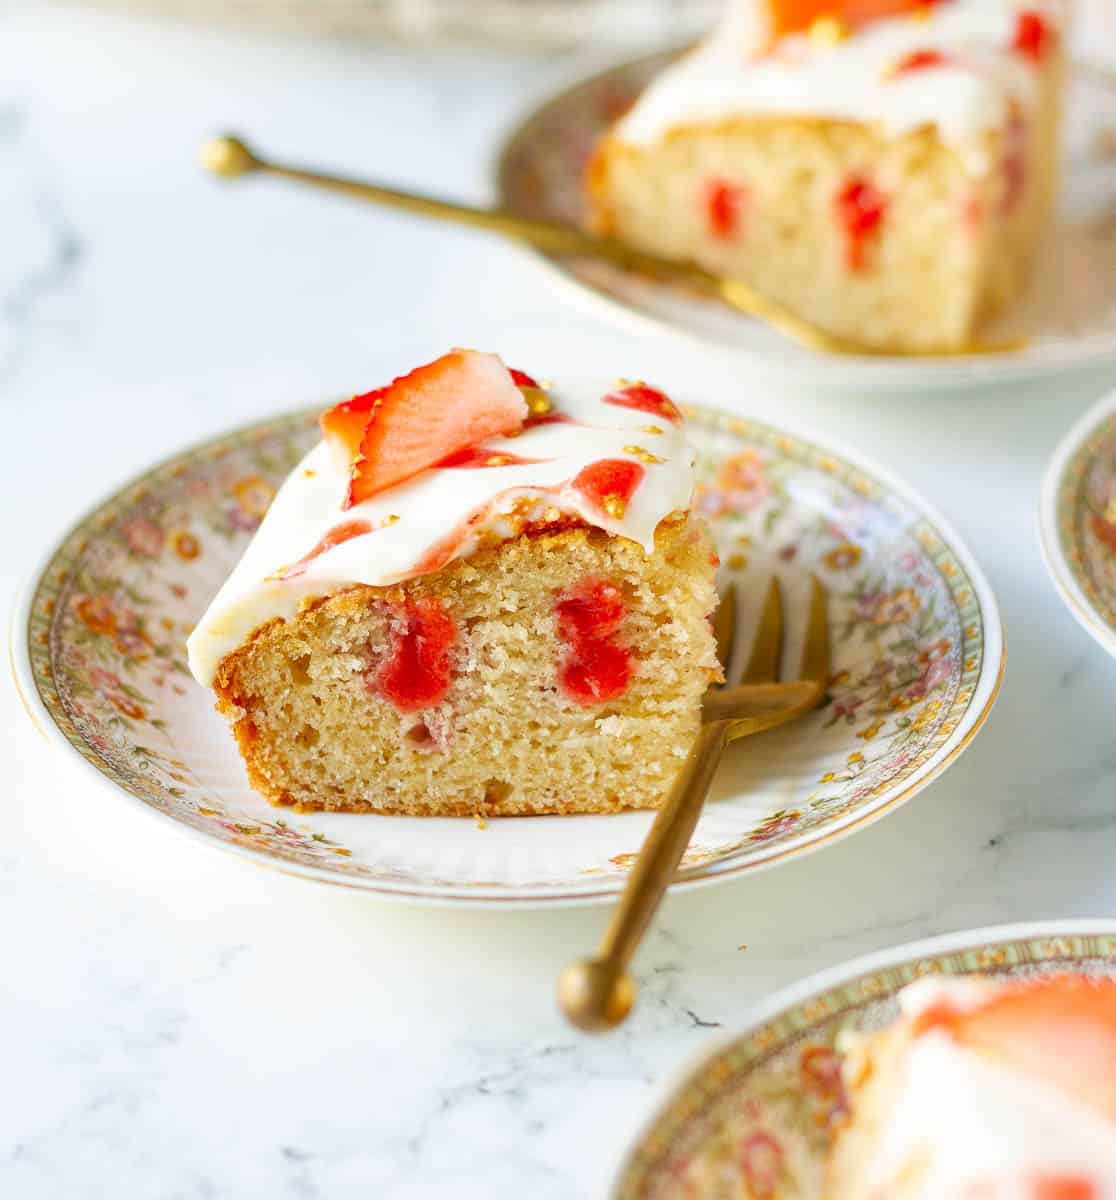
{"type": "Point", "coordinates": [984, 1091]}
{"type": "Point", "coordinates": [477, 595]}
{"type": "Point", "coordinates": [884, 167]}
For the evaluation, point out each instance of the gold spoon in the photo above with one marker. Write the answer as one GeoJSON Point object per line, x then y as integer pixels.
{"type": "Point", "coordinates": [230, 158]}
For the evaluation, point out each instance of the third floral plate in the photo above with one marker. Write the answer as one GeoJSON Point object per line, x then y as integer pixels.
{"type": "Point", "coordinates": [1077, 521]}
{"type": "Point", "coordinates": [917, 648]}
{"type": "Point", "coordinates": [755, 1116]}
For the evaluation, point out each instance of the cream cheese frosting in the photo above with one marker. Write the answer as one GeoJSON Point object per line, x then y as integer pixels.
{"type": "Point", "coordinates": [970, 1121]}
{"type": "Point", "coordinates": [964, 98]}
{"type": "Point", "coordinates": [445, 513]}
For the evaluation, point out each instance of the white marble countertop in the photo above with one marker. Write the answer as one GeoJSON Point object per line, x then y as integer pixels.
{"type": "Point", "coordinates": [176, 1024]}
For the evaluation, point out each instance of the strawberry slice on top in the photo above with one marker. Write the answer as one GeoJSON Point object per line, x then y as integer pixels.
{"type": "Point", "coordinates": [344, 424]}
{"type": "Point", "coordinates": [389, 435]}
{"type": "Point", "coordinates": [796, 16]}
{"type": "Point", "coordinates": [1060, 1029]}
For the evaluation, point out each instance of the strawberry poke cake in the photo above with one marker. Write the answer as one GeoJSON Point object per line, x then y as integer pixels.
{"type": "Point", "coordinates": [477, 595]}
{"type": "Point", "coordinates": [886, 168]}
{"type": "Point", "coordinates": [985, 1091]}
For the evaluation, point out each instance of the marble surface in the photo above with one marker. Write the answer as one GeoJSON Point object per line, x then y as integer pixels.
{"type": "Point", "coordinates": [177, 1024]}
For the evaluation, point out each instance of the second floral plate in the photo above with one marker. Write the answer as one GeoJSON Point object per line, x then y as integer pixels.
{"type": "Point", "coordinates": [918, 650]}
{"type": "Point", "coordinates": [1068, 319]}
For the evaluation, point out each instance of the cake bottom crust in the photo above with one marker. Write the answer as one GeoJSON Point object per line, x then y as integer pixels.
{"type": "Point", "coordinates": [510, 735]}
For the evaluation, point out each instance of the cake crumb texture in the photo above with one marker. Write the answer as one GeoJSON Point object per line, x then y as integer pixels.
{"type": "Point", "coordinates": [499, 734]}
{"type": "Point", "coordinates": [890, 242]}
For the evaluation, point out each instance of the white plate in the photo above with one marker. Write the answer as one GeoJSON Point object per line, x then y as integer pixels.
{"type": "Point", "coordinates": [1077, 521]}
{"type": "Point", "coordinates": [918, 658]}
{"type": "Point", "coordinates": [1068, 318]}
{"type": "Point", "coordinates": [757, 1107]}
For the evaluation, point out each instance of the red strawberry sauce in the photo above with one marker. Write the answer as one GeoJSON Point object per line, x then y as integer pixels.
{"type": "Point", "coordinates": [1014, 163]}
{"type": "Point", "coordinates": [1033, 35]}
{"type": "Point", "coordinates": [598, 668]}
{"type": "Point", "coordinates": [337, 535]}
{"type": "Point", "coordinates": [609, 484]}
{"type": "Point", "coordinates": [416, 674]}
{"type": "Point", "coordinates": [861, 208]}
{"type": "Point", "coordinates": [646, 399]}
{"type": "Point", "coordinates": [477, 456]}
{"type": "Point", "coordinates": [726, 207]}
{"type": "Point", "coordinates": [550, 418]}
{"type": "Point", "coordinates": [920, 60]}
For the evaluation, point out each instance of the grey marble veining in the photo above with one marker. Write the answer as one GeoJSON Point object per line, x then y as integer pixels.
{"type": "Point", "coordinates": [175, 1024]}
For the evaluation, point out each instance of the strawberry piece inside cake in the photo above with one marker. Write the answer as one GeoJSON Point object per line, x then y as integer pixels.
{"type": "Point", "coordinates": [886, 168]}
{"type": "Point", "coordinates": [984, 1091]}
{"type": "Point", "coordinates": [477, 595]}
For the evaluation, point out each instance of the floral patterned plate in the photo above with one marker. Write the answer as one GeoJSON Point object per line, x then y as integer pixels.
{"type": "Point", "coordinates": [1077, 521]}
{"type": "Point", "coordinates": [918, 656]}
{"type": "Point", "coordinates": [754, 1117]}
{"type": "Point", "coordinates": [1070, 321]}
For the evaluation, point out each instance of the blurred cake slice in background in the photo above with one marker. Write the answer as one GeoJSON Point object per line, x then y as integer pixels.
{"type": "Point", "coordinates": [476, 595]}
{"type": "Point", "coordinates": [984, 1091]}
{"type": "Point", "coordinates": [887, 168]}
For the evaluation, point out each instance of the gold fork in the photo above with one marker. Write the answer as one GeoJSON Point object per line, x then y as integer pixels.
{"type": "Point", "coordinates": [230, 158]}
{"type": "Point", "coordinates": [597, 994]}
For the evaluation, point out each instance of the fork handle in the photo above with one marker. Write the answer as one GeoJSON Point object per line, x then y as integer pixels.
{"type": "Point", "coordinates": [229, 157]}
{"type": "Point", "coordinates": [597, 994]}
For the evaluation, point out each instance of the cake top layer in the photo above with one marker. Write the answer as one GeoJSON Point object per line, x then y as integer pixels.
{"type": "Point", "coordinates": [958, 66]}
{"type": "Point", "coordinates": [1005, 1090]}
{"type": "Point", "coordinates": [610, 455]}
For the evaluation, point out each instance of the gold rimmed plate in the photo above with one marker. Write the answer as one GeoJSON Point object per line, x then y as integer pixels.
{"type": "Point", "coordinates": [1077, 521]}
{"type": "Point", "coordinates": [1067, 319]}
{"type": "Point", "coordinates": [98, 651]}
{"type": "Point", "coordinates": [754, 1115]}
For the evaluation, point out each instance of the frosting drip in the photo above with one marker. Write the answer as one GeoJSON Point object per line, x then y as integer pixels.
{"type": "Point", "coordinates": [972, 71]}
{"type": "Point", "coordinates": [617, 459]}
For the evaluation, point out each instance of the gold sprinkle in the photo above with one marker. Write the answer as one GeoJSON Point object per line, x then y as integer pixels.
{"type": "Point", "coordinates": [390, 519]}
{"type": "Point", "coordinates": [538, 402]}
{"type": "Point", "coordinates": [481, 823]}
{"type": "Point", "coordinates": [497, 460]}
{"type": "Point", "coordinates": [521, 507]}
{"type": "Point", "coordinates": [644, 456]}
{"type": "Point", "coordinates": [737, 562]}
{"type": "Point", "coordinates": [308, 473]}
{"type": "Point", "coordinates": [615, 506]}
{"type": "Point", "coordinates": [651, 429]}
{"type": "Point", "coordinates": [828, 31]}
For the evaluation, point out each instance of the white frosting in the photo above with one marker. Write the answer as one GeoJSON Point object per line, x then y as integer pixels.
{"type": "Point", "coordinates": [854, 79]}
{"type": "Point", "coordinates": [432, 508]}
{"type": "Point", "coordinates": [967, 1119]}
